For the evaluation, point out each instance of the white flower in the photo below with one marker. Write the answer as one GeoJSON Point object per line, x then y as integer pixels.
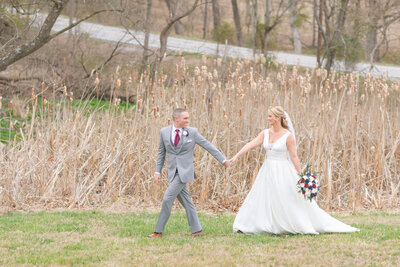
{"type": "Point", "coordinates": [314, 190]}
{"type": "Point", "coordinates": [185, 133]}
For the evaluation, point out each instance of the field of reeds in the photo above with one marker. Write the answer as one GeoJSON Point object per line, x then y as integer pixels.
{"type": "Point", "coordinates": [78, 156]}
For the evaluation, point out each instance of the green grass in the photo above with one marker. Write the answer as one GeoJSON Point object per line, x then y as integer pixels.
{"type": "Point", "coordinates": [97, 238]}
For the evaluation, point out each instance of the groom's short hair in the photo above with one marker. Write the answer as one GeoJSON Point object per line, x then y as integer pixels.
{"type": "Point", "coordinates": [177, 112]}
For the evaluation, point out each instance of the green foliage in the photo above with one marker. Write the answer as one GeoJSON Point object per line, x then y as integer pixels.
{"type": "Point", "coordinates": [350, 49]}
{"type": "Point", "coordinates": [300, 17]}
{"type": "Point", "coordinates": [224, 32]}
{"type": "Point", "coordinates": [17, 21]}
{"type": "Point", "coordinates": [272, 43]}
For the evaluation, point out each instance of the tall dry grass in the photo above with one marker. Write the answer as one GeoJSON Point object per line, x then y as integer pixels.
{"type": "Point", "coordinates": [347, 126]}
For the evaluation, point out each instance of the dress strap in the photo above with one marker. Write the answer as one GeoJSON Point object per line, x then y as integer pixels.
{"type": "Point", "coordinates": [266, 137]}
{"type": "Point", "coordinates": [286, 135]}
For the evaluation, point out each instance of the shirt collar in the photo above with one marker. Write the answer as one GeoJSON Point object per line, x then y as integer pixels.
{"type": "Point", "coordinates": [173, 129]}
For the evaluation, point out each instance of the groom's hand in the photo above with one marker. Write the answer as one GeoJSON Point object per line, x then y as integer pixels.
{"type": "Point", "coordinates": [158, 178]}
{"type": "Point", "coordinates": [226, 163]}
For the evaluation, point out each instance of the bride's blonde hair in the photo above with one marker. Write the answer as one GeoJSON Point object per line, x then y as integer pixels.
{"type": "Point", "coordinates": [278, 111]}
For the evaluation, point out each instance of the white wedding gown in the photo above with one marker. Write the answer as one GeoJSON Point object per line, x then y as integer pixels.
{"type": "Point", "coordinates": [274, 204]}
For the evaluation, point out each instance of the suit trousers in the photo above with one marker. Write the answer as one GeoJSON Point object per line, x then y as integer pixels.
{"type": "Point", "coordinates": [179, 190]}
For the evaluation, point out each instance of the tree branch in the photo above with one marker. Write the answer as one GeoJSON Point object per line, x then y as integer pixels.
{"type": "Point", "coordinates": [44, 35]}
{"type": "Point", "coordinates": [113, 53]}
{"type": "Point", "coordinates": [82, 20]}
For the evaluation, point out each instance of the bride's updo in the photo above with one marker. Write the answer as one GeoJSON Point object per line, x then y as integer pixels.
{"type": "Point", "coordinates": [280, 113]}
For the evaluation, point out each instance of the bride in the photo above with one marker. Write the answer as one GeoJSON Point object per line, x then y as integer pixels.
{"type": "Point", "coordinates": [273, 204]}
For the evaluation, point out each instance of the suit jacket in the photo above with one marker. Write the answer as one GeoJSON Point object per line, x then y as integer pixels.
{"type": "Point", "coordinates": [181, 157]}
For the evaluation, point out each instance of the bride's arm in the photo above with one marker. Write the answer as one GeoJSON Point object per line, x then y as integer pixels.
{"type": "Point", "coordinates": [249, 146]}
{"type": "Point", "coordinates": [291, 145]}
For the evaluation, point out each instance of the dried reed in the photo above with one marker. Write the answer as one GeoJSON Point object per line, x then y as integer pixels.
{"type": "Point", "coordinates": [347, 126]}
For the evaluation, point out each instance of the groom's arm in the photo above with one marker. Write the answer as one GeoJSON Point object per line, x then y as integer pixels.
{"type": "Point", "coordinates": [160, 156]}
{"type": "Point", "coordinates": [204, 143]}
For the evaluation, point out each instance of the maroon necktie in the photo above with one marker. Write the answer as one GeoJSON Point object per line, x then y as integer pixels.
{"type": "Point", "coordinates": [177, 138]}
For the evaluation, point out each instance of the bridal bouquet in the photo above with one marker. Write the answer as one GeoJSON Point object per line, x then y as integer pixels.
{"type": "Point", "coordinates": [308, 183]}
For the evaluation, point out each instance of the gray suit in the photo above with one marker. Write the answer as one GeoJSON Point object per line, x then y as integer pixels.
{"type": "Point", "coordinates": [180, 172]}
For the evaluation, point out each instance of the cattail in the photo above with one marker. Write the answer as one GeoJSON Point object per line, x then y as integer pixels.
{"type": "Point", "coordinates": [96, 81]}
{"type": "Point", "coordinates": [204, 71]}
{"type": "Point", "coordinates": [196, 71]}
{"type": "Point", "coordinates": [219, 62]}
{"type": "Point", "coordinates": [117, 83]}
{"type": "Point", "coordinates": [204, 59]}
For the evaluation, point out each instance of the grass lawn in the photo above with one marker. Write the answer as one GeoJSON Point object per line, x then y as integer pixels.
{"type": "Point", "coordinates": [97, 238]}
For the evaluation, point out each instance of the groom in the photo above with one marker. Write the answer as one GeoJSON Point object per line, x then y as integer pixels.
{"type": "Point", "coordinates": [178, 141]}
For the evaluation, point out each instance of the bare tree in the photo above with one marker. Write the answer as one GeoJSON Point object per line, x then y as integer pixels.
{"type": "Point", "coordinates": [335, 16]}
{"type": "Point", "coordinates": [293, 10]}
{"type": "Point", "coordinates": [252, 10]}
{"type": "Point", "coordinates": [216, 14]}
{"type": "Point", "coordinates": [205, 19]}
{"type": "Point", "coordinates": [273, 17]}
{"type": "Point", "coordinates": [382, 14]}
{"type": "Point", "coordinates": [236, 18]}
{"type": "Point", "coordinates": [173, 6]}
{"type": "Point", "coordinates": [315, 12]}
{"type": "Point", "coordinates": [146, 50]}
{"type": "Point", "coordinates": [164, 38]}
{"type": "Point", "coordinates": [18, 48]}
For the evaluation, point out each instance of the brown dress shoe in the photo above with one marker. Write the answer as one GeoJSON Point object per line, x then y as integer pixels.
{"type": "Point", "coordinates": [155, 235]}
{"type": "Point", "coordinates": [200, 233]}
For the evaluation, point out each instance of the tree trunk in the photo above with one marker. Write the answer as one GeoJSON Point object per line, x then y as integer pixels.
{"type": "Point", "coordinates": [371, 39]}
{"type": "Point", "coordinates": [236, 18]}
{"type": "Point", "coordinates": [253, 22]}
{"type": "Point", "coordinates": [319, 45]}
{"type": "Point", "coordinates": [293, 26]}
{"type": "Point", "coordinates": [315, 7]}
{"type": "Point", "coordinates": [332, 45]}
{"type": "Point", "coordinates": [41, 38]}
{"type": "Point", "coordinates": [267, 25]}
{"type": "Point", "coordinates": [173, 10]}
{"type": "Point", "coordinates": [164, 38]}
{"type": "Point", "coordinates": [145, 60]}
{"type": "Point", "coordinates": [205, 20]}
{"type": "Point", "coordinates": [216, 14]}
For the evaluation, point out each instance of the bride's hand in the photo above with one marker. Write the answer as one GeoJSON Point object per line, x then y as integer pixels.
{"type": "Point", "coordinates": [232, 160]}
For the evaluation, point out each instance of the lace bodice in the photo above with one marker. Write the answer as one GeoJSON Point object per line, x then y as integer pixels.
{"type": "Point", "coordinates": [277, 150]}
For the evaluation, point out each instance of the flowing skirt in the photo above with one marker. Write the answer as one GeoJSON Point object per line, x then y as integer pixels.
{"type": "Point", "coordinates": [275, 206]}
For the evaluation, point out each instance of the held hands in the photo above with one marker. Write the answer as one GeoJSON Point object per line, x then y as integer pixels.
{"type": "Point", "coordinates": [158, 178]}
{"type": "Point", "coordinates": [226, 163]}
{"type": "Point", "coordinates": [232, 160]}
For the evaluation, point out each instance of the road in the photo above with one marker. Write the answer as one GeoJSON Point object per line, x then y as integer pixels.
{"type": "Point", "coordinates": [115, 34]}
